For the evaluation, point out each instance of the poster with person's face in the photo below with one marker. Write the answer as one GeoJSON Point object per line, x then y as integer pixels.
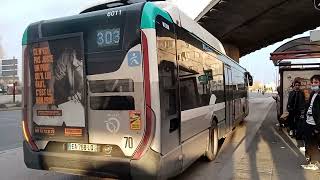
{"type": "Point", "coordinates": [57, 87]}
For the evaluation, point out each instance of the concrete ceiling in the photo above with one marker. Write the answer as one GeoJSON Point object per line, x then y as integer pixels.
{"type": "Point", "coordinates": [253, 24]}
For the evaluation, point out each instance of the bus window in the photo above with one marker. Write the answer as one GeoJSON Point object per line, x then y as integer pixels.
{"type": "Point", "coordinates": [216, 85]}
{"type": "Point", "coordinates": [112, 103]}
{"type": "Point", "coordinates": [168, 84]}
{"type": "Point", "coordinates": [188, 93]}
{"type": "Point", "coordinates": [112, 85]}
{"type": "Point", "coordinates": [196, 62]}
{"type": "Point", "coordinates": [166, 50]}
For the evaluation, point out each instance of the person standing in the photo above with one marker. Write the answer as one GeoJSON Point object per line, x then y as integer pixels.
{"type": "Point", "coordinates": [312, 124]}
{"type": "Point", "coordinates": [295, 107]}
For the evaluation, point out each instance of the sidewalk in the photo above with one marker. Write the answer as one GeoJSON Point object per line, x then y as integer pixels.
{"type": "Point", "coordinates": [10, 108]}
{"type": "Point", "coordinates": [234, 145]}
{"type": "Point", "coordinates": [7, 104]}
{"type": "Point", "coordinates": [272, 155]}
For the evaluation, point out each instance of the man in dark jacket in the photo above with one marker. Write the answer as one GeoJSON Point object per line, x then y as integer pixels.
{"type": "Point", "coordinates": [295, 107]}
{"type": "Point", "coordinates": [312, 124]}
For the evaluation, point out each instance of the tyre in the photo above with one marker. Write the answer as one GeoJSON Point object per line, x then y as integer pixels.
{"type": "Point", "coordinates": [213, 144]}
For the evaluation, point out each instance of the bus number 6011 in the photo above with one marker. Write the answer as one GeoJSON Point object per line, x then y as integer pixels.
{"type": "Point", "coordinates": [114, 13]}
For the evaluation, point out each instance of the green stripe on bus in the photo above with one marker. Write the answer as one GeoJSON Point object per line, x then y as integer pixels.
{"type": "Point", "coordinates": [25, 37]}
{"type": "Point", "coordinates": [149, 14]}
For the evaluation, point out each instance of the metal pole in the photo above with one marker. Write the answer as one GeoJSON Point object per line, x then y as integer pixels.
{"type": "Point", "coordinates": [14, 92]}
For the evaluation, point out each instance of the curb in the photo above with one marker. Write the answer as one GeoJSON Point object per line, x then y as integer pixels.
{"type": "Point", "coordinates": [294, 141]}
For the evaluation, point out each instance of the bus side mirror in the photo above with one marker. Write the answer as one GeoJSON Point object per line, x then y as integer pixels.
{"type": "Point", "coordinates": [250, 79]}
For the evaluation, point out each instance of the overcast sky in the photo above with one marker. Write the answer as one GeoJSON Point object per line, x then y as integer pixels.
{"type": "Point", "coordinates": [16, 15]}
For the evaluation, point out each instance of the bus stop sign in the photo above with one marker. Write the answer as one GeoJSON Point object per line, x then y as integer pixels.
{"type": "Point", "coordinates": [316, 4]}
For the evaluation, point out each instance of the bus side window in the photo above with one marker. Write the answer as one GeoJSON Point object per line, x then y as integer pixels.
{"type": "Point", "coordinates": [189, 99]}
{"type": "Point", "coordinates": [200, 72]}
{"type": "Point", "coordinates": [167, 69]}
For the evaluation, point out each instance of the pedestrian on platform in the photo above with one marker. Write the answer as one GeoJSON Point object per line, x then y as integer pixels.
{"type": "Point", "coordinates": [312, 125]}
{"type": "Point", "coordinates": [296, 109]}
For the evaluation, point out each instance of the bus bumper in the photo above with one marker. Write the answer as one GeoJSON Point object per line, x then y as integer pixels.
{"type": "Point", "coordinates": [146, 168]}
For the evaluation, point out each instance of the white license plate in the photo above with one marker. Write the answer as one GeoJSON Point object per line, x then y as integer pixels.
{"type": "Point", "coordinates": [82, 147]}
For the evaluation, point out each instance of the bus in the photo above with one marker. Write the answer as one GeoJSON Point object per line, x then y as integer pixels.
{"type": "Point", "coordinates": [129, 90]}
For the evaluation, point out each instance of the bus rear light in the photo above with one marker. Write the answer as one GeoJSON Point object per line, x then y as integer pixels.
{"type": "Point", "coordinates": [25, 128]}
{"type": "Point", "coordinates": [150, 121]}
{"type": "Point", "coordinates": [27, 137]}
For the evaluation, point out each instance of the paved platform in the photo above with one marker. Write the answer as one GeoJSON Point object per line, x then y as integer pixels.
{"type": "Point", "coordinates": [272, 155]}
{"type": "Point", "coordinates": [234, 146]}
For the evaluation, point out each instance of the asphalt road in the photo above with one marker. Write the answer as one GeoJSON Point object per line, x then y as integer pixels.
{"type": "Point", "coordinates": [10, 130]}
{"type": "Point", "coordinates": [254, 95]}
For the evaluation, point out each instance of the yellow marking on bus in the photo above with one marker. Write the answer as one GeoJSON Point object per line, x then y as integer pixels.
{"type": "Point", "coordinates": [25, 132]}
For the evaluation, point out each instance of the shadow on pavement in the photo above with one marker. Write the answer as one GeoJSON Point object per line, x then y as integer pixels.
{"type": "Point", "coordinates": [272, 155]}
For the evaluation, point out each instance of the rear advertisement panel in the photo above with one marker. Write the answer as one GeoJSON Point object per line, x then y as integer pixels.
{"type": "Point", "coordinates": [57, 86]}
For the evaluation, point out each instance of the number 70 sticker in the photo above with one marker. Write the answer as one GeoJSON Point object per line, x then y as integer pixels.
{"type": "Point", "coordinates": [127, 144]}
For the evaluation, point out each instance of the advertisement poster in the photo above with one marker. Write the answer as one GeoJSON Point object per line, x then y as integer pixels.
{"type": "Point", "coordinates": [57, 86]}
{"type": "Point", "coordinates": [303, 76]}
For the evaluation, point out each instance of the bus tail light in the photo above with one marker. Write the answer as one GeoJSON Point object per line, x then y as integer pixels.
{"type": "Point", "coordinates": [27, 137]}
{"type": "Point", "coordinates": [25, 128]}
{"type": "Point", "coordinates": [150, 116]}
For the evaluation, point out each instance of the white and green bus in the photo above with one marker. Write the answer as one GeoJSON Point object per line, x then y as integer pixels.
{"type": "Point", "coordinates": [127, 90]}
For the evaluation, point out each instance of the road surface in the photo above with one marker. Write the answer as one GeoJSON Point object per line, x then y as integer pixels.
{"type": "Point", "coordinates": [10, 130]}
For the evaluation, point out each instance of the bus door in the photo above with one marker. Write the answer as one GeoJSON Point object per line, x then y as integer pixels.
{"type": "Point", "coordinates": [168, 92]}
{"type": "Point", "coordinates": [229, 98]}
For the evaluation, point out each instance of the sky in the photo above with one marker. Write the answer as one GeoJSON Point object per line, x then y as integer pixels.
{"type": "Point", "coordinates": [258, 63]}
{"type": "Point", "coordinates": [13, 24]}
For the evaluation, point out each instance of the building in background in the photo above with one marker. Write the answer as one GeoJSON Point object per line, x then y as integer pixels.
{"type": "Point", "coordinates": [261, 87]}
{"type": "Point", "coordinates": [8, 71]}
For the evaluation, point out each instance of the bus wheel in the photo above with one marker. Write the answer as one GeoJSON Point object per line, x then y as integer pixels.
{"type": "Point", "coordinates": [213, 144]}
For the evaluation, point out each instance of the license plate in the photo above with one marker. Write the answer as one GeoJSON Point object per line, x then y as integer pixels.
{"type": "Point", "coordinates": [82, 147]}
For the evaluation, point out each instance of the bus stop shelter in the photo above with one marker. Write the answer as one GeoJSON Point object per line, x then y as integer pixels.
{"type": "Point", "coordinates": [292, 51]}
{"type": "Point", "coordinates": [297, 59]}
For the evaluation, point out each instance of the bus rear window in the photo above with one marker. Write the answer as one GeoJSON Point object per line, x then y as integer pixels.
{"type": "Point", "coordinates": [107, 35]}
{"type": "Point", "coordinates": [112, 103]}
{"type": "Point", "coordinates": [112, 85]}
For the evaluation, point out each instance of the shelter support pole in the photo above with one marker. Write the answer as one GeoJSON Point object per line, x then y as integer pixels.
{"type": "Point", "coordinates": [232, 51]}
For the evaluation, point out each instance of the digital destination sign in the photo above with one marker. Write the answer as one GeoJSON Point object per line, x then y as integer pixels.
{"type": "Point", "coordinates": [108, 37]}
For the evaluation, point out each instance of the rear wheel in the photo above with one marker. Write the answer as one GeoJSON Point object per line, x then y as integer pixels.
{"type": "Point", "coordinates": [213, 144]}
